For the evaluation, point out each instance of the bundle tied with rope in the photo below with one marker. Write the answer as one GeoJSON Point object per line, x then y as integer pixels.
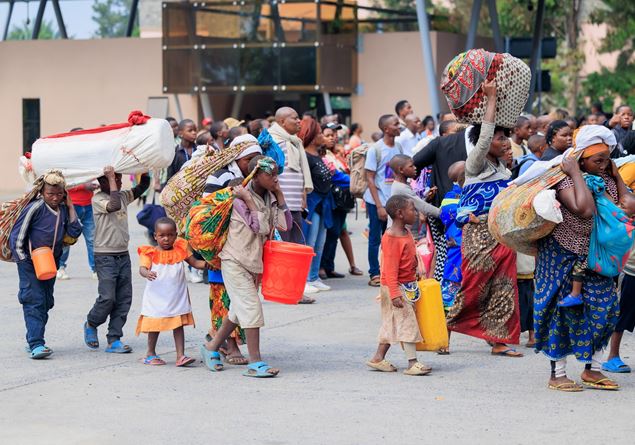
{"type": "Point", "coordinates": [207, 223]}
{"type": "Point", "coordinates": [513, 219]}
{"type": "Point", "coordinates": [10, 210]}
{"type": "Point", "coordinates": [186, 187]}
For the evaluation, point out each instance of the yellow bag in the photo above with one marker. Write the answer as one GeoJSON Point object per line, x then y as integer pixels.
{"type": "Point", "coordinates": [431, 316]}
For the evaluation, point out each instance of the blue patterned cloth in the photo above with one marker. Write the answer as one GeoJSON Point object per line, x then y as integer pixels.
{"type": "Point", "coordinates": [578, 330]}
{"type": "Point", "coordinates": [452, 276]}
{"type": "Point", "coordinates": [477, 199]}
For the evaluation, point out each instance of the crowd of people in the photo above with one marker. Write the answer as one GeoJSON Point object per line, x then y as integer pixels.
{"type": "Point", "coordinates": [422, 183]}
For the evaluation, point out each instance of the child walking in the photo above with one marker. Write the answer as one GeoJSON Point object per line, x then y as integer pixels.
{"type": "Point", "coordinates": [256, 209]}
{"type": "Point", "coordinates": [398, 281]}
{"type": "Point", "coordinates": [44, 222]}
{"type": "Point", "coordinates": [166, 300]}
{"type": "Point", "coordinates": [404, 169]}
{"type": "Point", "coordinates": [112, 261]}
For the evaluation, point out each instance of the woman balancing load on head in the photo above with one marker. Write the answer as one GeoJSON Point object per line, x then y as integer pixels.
{"type": "Point", "coordinates": [487, 306]}
{"type": "Point", "coordinates": [580, 330]}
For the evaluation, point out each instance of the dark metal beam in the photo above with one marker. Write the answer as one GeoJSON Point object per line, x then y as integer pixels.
{"type": "Point", "coordinates": [534, 64]}
{"type": "Point", "coordinates": [471, 33]}
{"type": "Point", "coordinates": [38, 20]}
{"type": "Point", "coordinates": [8, 23]}
{"type": "Point", "coordinates": [59, 18]}
{"type": "Point", "coordinates": [496, 30]}
{"type": "Point", "coordinates": [132, 17]}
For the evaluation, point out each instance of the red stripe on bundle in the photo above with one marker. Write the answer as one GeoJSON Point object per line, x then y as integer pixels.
{"type": "Point", "coordinates": [135, 117]}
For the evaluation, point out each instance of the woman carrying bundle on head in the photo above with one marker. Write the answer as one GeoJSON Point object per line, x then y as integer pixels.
{"type": "Point", "coordinates": [487, 305]}
{"type": "Point", "coordinates": [48, 221]}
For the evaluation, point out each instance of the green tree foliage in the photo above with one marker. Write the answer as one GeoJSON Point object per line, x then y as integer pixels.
{"type": "Point", "coordinates": [25, 31]}
{"type": "Point", "coordinates": [610, 84]}
{"type": "Point", "coordinates": [111, 17]}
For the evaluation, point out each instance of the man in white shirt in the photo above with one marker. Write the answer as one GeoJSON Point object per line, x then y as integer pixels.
{"type": "Point", "coordinates": [409, 136]}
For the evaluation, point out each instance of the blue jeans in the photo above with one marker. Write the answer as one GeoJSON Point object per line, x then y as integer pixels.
{"type": "Point", "coordinates": [332, 236]}
{"type": "Point", "coordinates": [85, 216]}
{"type": "Point", "coordinates": [377, 229]}
{"type": "Point", "coordinates": [315, 239]}
{"type": "Point", "coordinates": [36, 298]}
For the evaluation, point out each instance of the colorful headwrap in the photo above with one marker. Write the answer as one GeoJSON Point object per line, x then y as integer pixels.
{"type": "Point", "coordinates": [251, 144]}
{"type": "Point", "coordinates": [266, 164]}
{"type": "Point", "coordinates": [593, 139]}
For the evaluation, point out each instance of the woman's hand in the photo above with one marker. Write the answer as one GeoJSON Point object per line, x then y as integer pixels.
{"type": "Point", "coordinates": [397, 302]}
{"type": "Point", "coordinates": [489, 88]}
{"type": "Point", "coordinates": [570, 166]}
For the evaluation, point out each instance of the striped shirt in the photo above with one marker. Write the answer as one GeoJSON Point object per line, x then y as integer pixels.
{"type": "Point", "coordinates": [291, 183]}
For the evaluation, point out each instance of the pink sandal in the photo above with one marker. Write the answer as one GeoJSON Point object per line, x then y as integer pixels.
{"type": "Point", "coordinates": [185, 361]}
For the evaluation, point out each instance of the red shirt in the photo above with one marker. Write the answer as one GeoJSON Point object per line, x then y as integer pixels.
{"type": "Point", "coordinates": [399, 262]}
{"type": "Point", "coordinates": [80, 195]}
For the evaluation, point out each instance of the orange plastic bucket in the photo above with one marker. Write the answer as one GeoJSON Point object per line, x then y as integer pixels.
{"type": "Point", "coordinates": [286, 268]}
{"type": "Point", "coordinates": [44, 263]}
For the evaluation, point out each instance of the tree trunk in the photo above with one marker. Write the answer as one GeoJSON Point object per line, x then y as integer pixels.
{"type": "Point", "coordinates": [574, 64]}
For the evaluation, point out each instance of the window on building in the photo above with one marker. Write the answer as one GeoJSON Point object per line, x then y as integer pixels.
{"type": "Point", "coordinates": [30, 123]}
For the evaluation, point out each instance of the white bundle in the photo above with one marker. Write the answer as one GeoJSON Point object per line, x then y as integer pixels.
{"type": "Point", "coordinates": [130, 148]}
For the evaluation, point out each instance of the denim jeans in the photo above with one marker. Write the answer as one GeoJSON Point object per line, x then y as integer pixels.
{"type": "Point", "coordinates": [332, 236]}
{"type": "Point", "coordinates": [115, 294]}
{"type": "Point", "coordinates": [315, 239]}
{"type": "Point", "coordinates": [85, 216]}
{"type": "Point", "coordinates": [377, 229]}
{"type": "Point", "coordinates": [36, 298]}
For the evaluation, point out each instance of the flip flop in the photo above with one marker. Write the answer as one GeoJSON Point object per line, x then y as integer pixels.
{"type": "Point", "coordinates": [443, 351]}
{"type": "Point", "coordinates": [40, 352]}
{"type": "Point", "coordinates": [383, 366]}
{"type": "Point", "coordinates": [566, 387]}
{"type": "Point", "coordinates": [374, 281]}
{"type": "Point", "coordinates": [306, 300]}
{"type": "Point", "coordinates": [211, 359]}
{"type": "Point", "coordinates": [184, 361]}
{"type": "Point", "coordinates": [599, 384]}
{"type": "Point", "coordinates": [153, 360]}
{"type": "Point", "coordinates": [118, 347]}
{"type": "Point", "coordinates": [616, 365]}
{"type": "Point", "coordinates": [90, 336]}
{"type": "Point", "coordinates": [259, 370]}
{"type": "Point", "coordinates": [508, 353]}
{"type": "Point", "coordinates": [418, 369]}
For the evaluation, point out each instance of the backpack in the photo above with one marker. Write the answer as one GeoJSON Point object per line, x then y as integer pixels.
{"type": "Point", "coordinates": [516, 167]}
{"type": "Point", "coordinates": [356, 163]}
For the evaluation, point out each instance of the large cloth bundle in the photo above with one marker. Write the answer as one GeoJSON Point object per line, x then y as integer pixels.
{"type": "Point", "coordinates": [136, 146]}
{"type": "Point", "coordinates": [9, 213]}
{"type": "Point", "coordinates": [462, 79]}
{"type": "Point", "coordinates": [612, 234]}
{"type": "Point", "coordinates": [187, 186]}
{"type": "Point", "coordinates": [512, 219]}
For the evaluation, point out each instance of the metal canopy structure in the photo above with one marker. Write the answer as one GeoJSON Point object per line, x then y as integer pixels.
{"type": "Point", "coordinates": [59, 18]}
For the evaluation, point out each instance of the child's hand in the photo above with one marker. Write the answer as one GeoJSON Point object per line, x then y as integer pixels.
{"type": "Point", "coordinates": [109, 172]}
{"type": "Point", "coordinates": [474, 219]}
{"type": "Point", "coordinates": [423, 219]}
{"type": "Point", "coordinates": [242, 193]}
{"type": "Point", "coordinates": [397, 302]}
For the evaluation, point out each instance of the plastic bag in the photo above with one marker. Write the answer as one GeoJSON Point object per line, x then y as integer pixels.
{"type": "Point", "coordinates": [547, 206]}
{"type": "Point", "coordinates": [612, 234]}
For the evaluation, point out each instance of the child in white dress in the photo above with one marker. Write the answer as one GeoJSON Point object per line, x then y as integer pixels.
{"type": "Point", "coordinates": [166, 301]}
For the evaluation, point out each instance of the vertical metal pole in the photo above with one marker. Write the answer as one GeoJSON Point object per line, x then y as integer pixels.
{"type": "Point", "coordinates": [328, 109]}
{"type": "Point", "coordinates": [238, 103]}
{"type": "Point", "coordinates": [38, 20]}
{"type": "Point", "coordinates": [177, 102]}
{"type": "Point", "coordinates": [8, 23]}
{"type": "Point", "coordinates": [535, 53]}
{"type": "Point", "coordinates": [428, 60]}
{"type": "Point", "coordinates": [206, 105]}
{"type": "Point", "coordinates": [471, 34]}
{"type": "Point", "coordinates": [59, 18]}
{"type": "Point", "coordinates": [496, 30]}
{"type": "Point", "coordinates": [132, 17]}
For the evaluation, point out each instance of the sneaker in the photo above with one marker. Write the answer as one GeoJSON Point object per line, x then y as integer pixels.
{"type": "Point", "coordinates": [319, 285]}
{"type": "Point", "coordinates": [93, 275]}
{"type": "Point", "coordinates": [61, 274]}
{"type": "Point", "coordinates": [195, 276]}
{"type": "Point", "coordinates": [309, 289]}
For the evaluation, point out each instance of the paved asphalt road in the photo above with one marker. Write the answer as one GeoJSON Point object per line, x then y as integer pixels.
{"type": "Point", "coordinates": [324, 394]}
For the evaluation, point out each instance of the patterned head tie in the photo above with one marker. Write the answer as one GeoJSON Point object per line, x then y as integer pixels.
{"type": "Point", "coordinates": [266, 164]}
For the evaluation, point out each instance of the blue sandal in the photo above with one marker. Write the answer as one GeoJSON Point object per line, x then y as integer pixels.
{"type": "Point", "coordinates": [40, 352]}
{"type": "Point", "coordinates": [616, 365]}
{"type": "Point", "coordinates": [259, 369]}
{"type": "Point", "coordinates": [570, 301]}
{"type": "Point", "coordinates": [211, 359]}
{"type": "Point", "coordinates": [117, 347]}
{"type": "Point", "coordinates": [90, 336]}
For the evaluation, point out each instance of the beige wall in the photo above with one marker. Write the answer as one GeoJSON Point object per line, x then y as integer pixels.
{"type": "Point", "coordinates": [390, 68]}
{"type": "Point", "coordinates": [80, 83]}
